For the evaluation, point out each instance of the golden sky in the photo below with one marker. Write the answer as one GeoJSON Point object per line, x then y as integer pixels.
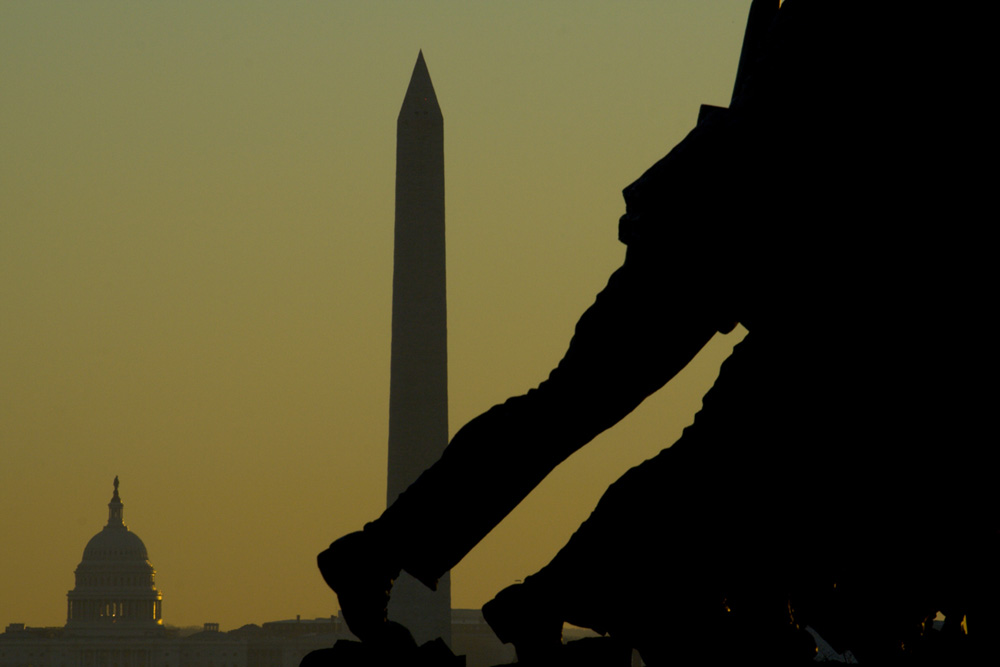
{"type": "Point", "coordinates": [196, 211]}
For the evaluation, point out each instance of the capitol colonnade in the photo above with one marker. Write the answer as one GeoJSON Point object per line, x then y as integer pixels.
{"type": "Point", "coordinates": [113, 610]}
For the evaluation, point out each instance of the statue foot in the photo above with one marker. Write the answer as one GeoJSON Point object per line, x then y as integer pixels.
{"type": "Point", "coordinates": [518, 617]}
{"type": "Point", "coordinates": [361, 576]}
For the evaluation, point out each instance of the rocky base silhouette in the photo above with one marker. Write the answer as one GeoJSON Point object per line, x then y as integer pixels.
{"type": "Point", "coordinates": [587, 652]}
{"type": "Point", "coordinates": [733, 646]}
{"type": "Point", "coordinates": [396, 647]}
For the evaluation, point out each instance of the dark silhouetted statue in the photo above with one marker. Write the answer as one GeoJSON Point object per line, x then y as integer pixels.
{"type": "Point", "coordinates": [836, 474]}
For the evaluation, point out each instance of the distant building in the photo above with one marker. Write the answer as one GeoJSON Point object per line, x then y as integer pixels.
{"type": "Point", "coordinates": [115, 591]}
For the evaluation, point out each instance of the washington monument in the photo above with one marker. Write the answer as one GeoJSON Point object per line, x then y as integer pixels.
{"type": "Point", "coordinates": [418, 393]}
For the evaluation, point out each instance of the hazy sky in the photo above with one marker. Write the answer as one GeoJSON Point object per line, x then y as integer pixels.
{"type": "Point", "coordinates": [196, 210]}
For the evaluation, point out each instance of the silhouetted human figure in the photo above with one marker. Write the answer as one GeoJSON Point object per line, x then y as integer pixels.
{"type": "Point", "coordinates": [798, 493]}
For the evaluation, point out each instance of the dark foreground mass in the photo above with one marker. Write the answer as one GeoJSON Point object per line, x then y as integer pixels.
{"type": "Point", "coordinates": [837, 475]}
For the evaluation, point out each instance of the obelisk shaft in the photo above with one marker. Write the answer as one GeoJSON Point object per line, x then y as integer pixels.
{"type": "Point", "coordinates": [418, 393]}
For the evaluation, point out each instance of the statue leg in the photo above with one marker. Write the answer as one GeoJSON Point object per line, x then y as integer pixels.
{"type": "Point", "coordinates": [625, 347]}
{"type": "Point", "coordinates": [696, 539]}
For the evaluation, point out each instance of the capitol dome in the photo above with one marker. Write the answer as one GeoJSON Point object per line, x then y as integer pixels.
{"type": "Point", "coordinates": [114, 581]}
{"type": "Point", "coordinates": [119, 545]}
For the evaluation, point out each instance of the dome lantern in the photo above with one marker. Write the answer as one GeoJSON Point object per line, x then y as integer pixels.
{"type": "Point", "coordinates": [116, 510]}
